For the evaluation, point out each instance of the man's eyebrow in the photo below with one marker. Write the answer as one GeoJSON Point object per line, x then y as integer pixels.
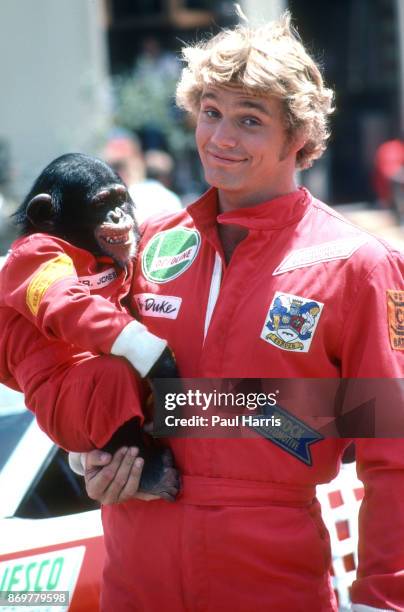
{"type": "Point", "coordinates": [255, 105]}
{"type": "Point", "coordinates": [242, 103]}
{"type": "Point", "coordinates": [209, 95]}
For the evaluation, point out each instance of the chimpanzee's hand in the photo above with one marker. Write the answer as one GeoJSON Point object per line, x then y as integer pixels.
{"type": "Point", "coordinates": [163, 378]}
{"type": "Point", "coordinates": [159, 476]}
{"type": "Point", "coordinates": [164, 367]}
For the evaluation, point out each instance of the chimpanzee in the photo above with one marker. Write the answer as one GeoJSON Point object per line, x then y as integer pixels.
{"type": "Point", "coordinates": [64, 318]}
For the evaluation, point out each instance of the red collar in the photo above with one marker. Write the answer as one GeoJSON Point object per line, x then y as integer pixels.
{"type": "Point", "coordinates": [273, 214]}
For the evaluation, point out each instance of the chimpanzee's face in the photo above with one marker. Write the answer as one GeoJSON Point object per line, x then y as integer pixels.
{"type": "Point", "coordinates": [115, 231]}
{"type": "Point", "coordinates": [82, 200]}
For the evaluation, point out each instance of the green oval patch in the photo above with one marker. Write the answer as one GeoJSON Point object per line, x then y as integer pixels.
{"type": "Point", "coordinates": [168, 254]}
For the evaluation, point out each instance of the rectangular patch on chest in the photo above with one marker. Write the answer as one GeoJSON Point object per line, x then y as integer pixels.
{"type": "Point", "coordinates": [395, 314]}
{"type": "Point", "coordinates": [154, 305]}
{"type": "Point", "coordinates": [326, 251]}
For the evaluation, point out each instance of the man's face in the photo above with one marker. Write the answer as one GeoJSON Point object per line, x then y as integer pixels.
{"type": "Point", "coordinates": [243, 145]}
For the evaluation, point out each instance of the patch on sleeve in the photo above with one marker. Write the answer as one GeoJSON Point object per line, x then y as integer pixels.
{"type": "Point", "coordinates": [395, 315]}
{"type": "Point", "coordinates": [318, 253]}
{"type": "Point", "coordinates": [52, 271]}
{"type": "Point", "coordinates": [98, 281]}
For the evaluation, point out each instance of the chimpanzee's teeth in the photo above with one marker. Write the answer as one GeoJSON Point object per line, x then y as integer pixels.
{"type": "Point", "coordinates": [114, 240]}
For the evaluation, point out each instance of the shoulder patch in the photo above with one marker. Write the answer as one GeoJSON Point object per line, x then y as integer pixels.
{"type": "Point", "coordinates": [169, 254]}
{"type": "Point", "coordinates": [326, 251]}
{"type": "Point", "coordinates": [54, 269]}
{"type": "Point", "coordinates": [395, 316]}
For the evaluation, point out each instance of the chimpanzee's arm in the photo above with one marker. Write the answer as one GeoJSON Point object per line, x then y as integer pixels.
{"type": "Point", "coordinates": [39, 280]}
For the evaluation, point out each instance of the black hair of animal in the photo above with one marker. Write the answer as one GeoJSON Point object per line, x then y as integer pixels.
{"type": "Point", "coordinates": [69, 179]}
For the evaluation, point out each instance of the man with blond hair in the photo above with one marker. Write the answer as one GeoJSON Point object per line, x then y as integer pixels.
{"type": "Point", "coordinates": [269, 283]}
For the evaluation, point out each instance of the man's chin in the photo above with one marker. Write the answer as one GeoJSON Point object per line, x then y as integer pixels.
{"type": "Point", "coordinates": [225, 181]}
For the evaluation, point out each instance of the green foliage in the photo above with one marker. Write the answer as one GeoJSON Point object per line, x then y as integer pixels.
{"type": "Point", "coordinates": [147, 100]}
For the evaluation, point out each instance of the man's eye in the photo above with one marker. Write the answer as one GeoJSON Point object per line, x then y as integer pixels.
{"type": "Point", "coordinates": [250, 121]}
{"type": "Point", "coordinates": [211, 113]}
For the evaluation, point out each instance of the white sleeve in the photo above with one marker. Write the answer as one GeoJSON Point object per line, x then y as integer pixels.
{"type": "Point", "coordinates": [77, 463]}
{"type": "Point", "coordinates": [139, 346]}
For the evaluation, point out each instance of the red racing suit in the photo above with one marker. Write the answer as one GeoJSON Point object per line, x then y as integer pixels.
{"type": "Point", "coordinates": [246, 532]}
{"type": "Point", "coordinates": [61, 310]}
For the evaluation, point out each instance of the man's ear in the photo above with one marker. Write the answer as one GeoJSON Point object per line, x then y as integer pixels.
{"type": "Point", "coordinates": [298, 140]}
{"type": "Point", "coordinates": [41, 212]}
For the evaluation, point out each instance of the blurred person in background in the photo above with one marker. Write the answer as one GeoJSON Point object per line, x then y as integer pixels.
{"type": "Point", "coordinates": [148, 176]}
{"type": "Point", "coordinates": [153, 59]}
{"type": "Point", "coordinates": [388, 166]}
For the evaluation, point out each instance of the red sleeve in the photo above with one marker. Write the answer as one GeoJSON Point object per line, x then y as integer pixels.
{"type": "Point", "coordinates": [373, 348]}
{"type": "Point", "coordinates": [40, 281]}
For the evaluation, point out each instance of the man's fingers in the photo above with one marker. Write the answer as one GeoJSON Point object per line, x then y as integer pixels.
{"type": "Point", "coordinates": [95, 459]}
{"type": "Point", "coordinates": [117, 480]}
{"type": "Point", "coordinates": [132, 483]}
{"type": "Point", "coordinates": [127, 477]}
{"type": "Point", "coordinates": [98, 479]}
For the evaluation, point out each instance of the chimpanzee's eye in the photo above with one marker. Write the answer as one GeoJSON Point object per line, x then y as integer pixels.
{"type": "Point", "coordinates": [102, 198]}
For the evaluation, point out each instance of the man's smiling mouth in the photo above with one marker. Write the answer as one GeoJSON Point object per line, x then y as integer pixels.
{"type": "Point", "coordinates": [225, 159]}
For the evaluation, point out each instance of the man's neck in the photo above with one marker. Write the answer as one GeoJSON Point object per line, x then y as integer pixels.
{"type": "Point", "coordinates": [229, 200]}
{"type": "Point", "coordinates": [230, 236]}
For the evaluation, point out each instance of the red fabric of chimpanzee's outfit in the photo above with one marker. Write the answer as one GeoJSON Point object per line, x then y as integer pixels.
{"type": "Point", "coordinates": [61, 308]}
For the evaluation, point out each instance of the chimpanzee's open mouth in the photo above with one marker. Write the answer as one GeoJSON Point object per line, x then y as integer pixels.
{"type": "Point", "coordinates": [117, 234]}
{"type": "Point", "coordinates": [120, 239]}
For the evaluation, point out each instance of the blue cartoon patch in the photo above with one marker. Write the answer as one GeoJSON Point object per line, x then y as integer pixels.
{"type": "Point", "coordinates": [291, 322]}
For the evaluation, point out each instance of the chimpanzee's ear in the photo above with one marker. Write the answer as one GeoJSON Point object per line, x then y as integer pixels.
{"type": "Point", "coordinates": [41, 213]}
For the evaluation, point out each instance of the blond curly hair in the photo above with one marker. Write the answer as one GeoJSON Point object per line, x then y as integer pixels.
{"type": "Point", "coordinates": [265, 60]}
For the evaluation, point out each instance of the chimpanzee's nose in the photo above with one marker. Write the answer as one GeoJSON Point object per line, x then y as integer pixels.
{"type": "Point", "coordinates": [115, 216]}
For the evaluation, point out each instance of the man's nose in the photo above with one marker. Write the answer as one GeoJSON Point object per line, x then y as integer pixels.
{"type": "Point", "coordinates": [224, 134]}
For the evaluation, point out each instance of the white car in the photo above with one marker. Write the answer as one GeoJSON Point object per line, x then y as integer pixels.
{"type": "Point", "coordinates": [50, 540]}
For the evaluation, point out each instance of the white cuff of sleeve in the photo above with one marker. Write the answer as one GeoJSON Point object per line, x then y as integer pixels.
{"type": "Point", "coordinates": [139, 346]}
{"type": "Point", "coordinates": [77, 463]}
{"type": "Point", "coordinates": [364, 608]}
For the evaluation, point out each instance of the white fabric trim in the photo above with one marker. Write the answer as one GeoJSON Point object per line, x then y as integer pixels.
{"type": "Point", "coordinates": [364, 608]}
{"type": "Point", "coordinates": [77, 463]}
{"type": "Point", "coordinates": [213, 291]}
{"type": "Point", "coordinates": [139, 346]}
